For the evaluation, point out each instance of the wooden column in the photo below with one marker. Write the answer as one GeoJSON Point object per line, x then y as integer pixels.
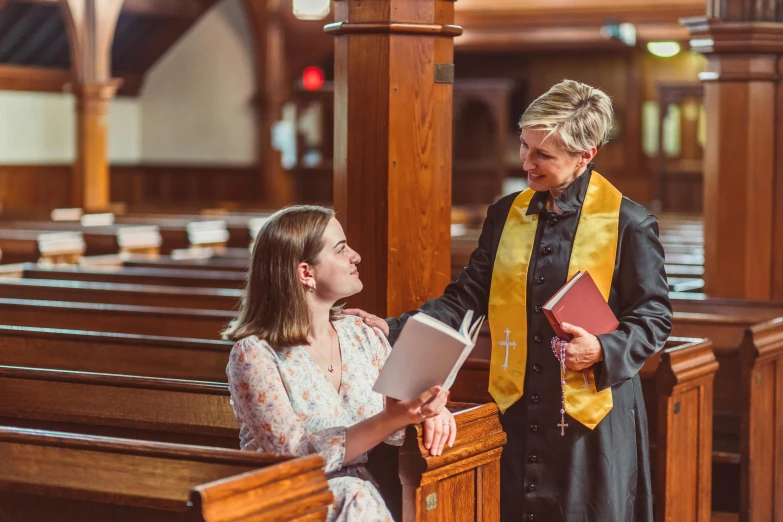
{"type": "Point", "coordinates": [271, 94]}
{"type": "Point", "coordinates": [743, 174]}
{"type": "Point", "coordinates": [392, 152]}
{"type": "Point", "coordinates": [90, 25]}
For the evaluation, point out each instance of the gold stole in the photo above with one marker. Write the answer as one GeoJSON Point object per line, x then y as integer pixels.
{"type": "Point", "coordinates": [595, 251]}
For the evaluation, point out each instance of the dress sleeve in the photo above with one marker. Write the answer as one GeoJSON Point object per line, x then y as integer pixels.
{"type": "Point", "coordinates": [263, 408]}
{"type": "Point", "coordinates": [646, 312]}
{"type": "Point", "coordinates": [470, 291]}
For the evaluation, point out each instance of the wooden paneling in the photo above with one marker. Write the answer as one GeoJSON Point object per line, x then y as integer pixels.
{"type": "Point", "coordinates": [47, 186]}
{"type": "Point", "coordinates": [198, 185]}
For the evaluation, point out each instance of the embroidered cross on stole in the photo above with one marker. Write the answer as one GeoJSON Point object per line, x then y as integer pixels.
{"type": "Point", "coordinates": [594, 250]}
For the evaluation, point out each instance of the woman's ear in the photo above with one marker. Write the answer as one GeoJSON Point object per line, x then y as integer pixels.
{"type": "Point", "coordinates": [305, 275]}
{"type": "Point", "coordinates": [588, 155]}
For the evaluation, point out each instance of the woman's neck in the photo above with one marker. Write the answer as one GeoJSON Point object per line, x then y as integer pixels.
{"type": "Point", "coordinates": [320, 324]}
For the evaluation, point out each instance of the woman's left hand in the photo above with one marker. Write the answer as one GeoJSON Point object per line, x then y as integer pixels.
{"type": "Point", "coordinates": [439, 431]}
{"type": "Point", "coordinates": [584, 350]}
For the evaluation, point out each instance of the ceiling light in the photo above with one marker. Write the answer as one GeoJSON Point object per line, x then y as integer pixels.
{"type": "Point", "coordinates": [311, 9]}
{"type": "Point", "coordinates": [663, 49]}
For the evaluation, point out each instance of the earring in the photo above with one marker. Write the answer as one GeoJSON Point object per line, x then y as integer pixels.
{"type": "Point", "coordinates": [312, 288]}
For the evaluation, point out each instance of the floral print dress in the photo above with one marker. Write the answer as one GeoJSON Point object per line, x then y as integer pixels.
{"type": "Point", "coordinates": [285, 404]}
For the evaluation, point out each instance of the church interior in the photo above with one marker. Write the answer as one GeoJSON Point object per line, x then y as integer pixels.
{"type": "Point", "coordinates": [144, 144]}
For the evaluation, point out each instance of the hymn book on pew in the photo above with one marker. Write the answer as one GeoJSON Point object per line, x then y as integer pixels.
{"type": "Point", "coordinates": [580, 303]}
{"type": "Point", "coordinates": [427, 353]}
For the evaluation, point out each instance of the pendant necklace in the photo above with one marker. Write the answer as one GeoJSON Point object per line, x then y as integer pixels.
{"type": "Point", "coordinates": [331, 354]}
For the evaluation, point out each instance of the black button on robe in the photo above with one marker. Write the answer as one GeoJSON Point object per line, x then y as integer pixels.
{"type": "Point", "coordinates": [601, 475]}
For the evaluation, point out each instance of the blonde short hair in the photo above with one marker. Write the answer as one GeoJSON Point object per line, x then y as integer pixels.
{"type": "Point", "coordinates": [579, 116]}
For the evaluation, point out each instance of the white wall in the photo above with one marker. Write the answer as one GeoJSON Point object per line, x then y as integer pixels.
{"type": "Point", "coordinates": [40, 129]}
{"type": "Point", "coordinates": [196, 100]}
{"type": "Point", "coordinates": [36, 128]}
{"type": "Point", "coordinates": [124, 131]}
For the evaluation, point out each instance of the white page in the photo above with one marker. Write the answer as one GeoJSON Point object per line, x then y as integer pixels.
{"type": "Point", "coordinates": [423, 356]}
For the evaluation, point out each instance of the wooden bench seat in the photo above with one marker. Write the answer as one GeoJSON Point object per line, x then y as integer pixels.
{"type": "Point", "coordinates": [70, 478]}
{"type": "Point", "coordinates": [677, 385]}
{"type": "Point", "coordinates": [143, 320]}
{"type": "Point", "coordinates": [138, 276]}
{"type": "Point", "coordinates": [19, 246]}
{"type": "Point", "coordinates": [121, 294]}
{"type": "Point", "coordinates": [199, 412]}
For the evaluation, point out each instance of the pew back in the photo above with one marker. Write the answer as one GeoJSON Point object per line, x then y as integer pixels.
{"type": "Point", "coordinates": [144, 320]}
{"type": "Point", "coordinates": [62, 476]}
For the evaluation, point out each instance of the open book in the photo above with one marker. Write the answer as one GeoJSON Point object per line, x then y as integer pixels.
{"type": "Point", "coordinates": [427, 353]}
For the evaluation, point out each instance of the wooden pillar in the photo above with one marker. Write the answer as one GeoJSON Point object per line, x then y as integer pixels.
{"type": "Point", "coordinates": [271, 94]}
{"type": "Point", "coordinates": [90, 25]}
{"type": "Point", "coordinates": [392, 148]}
{"type": "Point", "coordinates": [743, 174]}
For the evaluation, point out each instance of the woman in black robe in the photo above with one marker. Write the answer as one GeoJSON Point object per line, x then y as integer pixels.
{"type": "Point", "coordinates": [598, 475]}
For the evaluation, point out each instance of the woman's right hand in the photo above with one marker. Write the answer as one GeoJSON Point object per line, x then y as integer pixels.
{"type": "Point", "coordinates": [427, 405]}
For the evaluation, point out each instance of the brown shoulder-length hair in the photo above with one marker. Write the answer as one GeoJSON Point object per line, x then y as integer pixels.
{"type": "Point", "coordinates": [274, 304]}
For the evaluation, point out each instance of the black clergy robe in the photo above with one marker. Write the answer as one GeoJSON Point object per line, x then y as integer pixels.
{"type": "Point", "coordinates": [601, 475]}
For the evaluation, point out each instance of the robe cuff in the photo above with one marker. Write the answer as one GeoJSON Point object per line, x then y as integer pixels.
{"type": "Point", "coordinates": [614, 357]}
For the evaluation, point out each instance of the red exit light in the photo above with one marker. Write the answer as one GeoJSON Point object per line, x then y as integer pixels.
{"type": "Point", "coordinates": [312, 78]}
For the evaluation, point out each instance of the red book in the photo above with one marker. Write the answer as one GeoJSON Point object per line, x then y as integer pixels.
{"type": "Point", "coordinates": [581, 304]}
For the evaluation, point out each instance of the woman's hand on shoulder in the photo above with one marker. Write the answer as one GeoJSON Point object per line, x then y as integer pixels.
{"type": "Point", "coordinates": [439, 431]}
{"type": "Point", "coordinates": [369, 319]}
{"type": "Point", "coordinates": [427, 405]}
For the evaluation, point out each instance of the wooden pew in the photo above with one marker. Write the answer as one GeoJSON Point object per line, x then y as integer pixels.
{"type": "Point", "coordinates": [102, 352]}
{"type": "Point", "coordinates": [35, 246]}
{"type": "Point", "coordinates": [748, 408]}
{"type": "Point", "coordinates": [699, 303]}
{"type": "Point", "coordinates": [198, 412]}
{"type": "Point", "coordinates": [69, 478]}
{"type": "Point", "coordinates": [138, 276]}
{"type": "Point", "coordinates": [207, 261]}
{"type": "Point", "coordinates": [180, 233]}
{"type": "Point", "coordinates": [100, 240]}
{"type": "Point", "coordinates": [143, 320]}
{"type": "Point", "coordinates": [242, 226]}
{"type": "Point", "coordinates": [120, 294]}
{"type": "Point", "coordinates": [677, 385]}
